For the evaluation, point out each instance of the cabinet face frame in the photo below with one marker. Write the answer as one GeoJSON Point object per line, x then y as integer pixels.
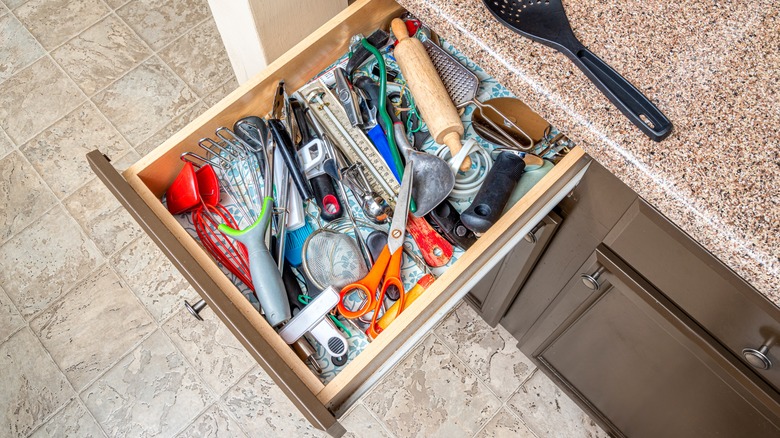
{"type": "Point", "coordinates": [654, 305]}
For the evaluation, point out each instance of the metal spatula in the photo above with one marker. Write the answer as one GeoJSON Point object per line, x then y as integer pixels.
{"type": "Point", "coordinates": [544, 21]}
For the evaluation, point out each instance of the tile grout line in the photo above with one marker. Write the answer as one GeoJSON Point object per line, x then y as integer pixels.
{"type": "Point", "coordinates": [222, 401]}
{"type": "Point", "coordinates": [69, 37]}
{"type": "Point", "coordinates": [514, 391]}
{"type": "Point", "coordinates": [113, 363]}
{"type": "Point", "coordinates": [156, 327]}
{"type": "Point", "coordinates": [152, 52]}
{"type": "Point", "coordinates": [191, 422]}
{"type": "Point", "coordinates": [476, 375]}
{"type": "Point", "coordinates": [520, 388]}
{"type": "Point", "coordinates": [386, 377]}
{"type": "Point", "coordinates": [221, 404]}
{"type": "Point", "coordinates": [463, 361]}
{"type": "Point", "coordinates": [380, 421]}
{"type": "Point", "coordinates": [91, 415]}
{"type": "Point", "coordinates": [187, 360]}
{"type": "Point", "coordinates": [70, 385]}
{"type": "Point", "coordinates": [90, 97]}
{"type": "Point", "coordinates": [523, 422]}
{"type": "Point", "coordinates": [12, 14]}
{"type": "Point", "coordinates": [110, 14]}
{"type": "Point", "coordinates": [33, 222]}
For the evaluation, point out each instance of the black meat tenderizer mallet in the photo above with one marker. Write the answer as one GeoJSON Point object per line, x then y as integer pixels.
{"type": "Point", "coordinates": [494, 193]}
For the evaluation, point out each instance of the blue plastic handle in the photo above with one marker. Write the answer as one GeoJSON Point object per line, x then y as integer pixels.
{"type": "Point", "coordinates": [377, 136]}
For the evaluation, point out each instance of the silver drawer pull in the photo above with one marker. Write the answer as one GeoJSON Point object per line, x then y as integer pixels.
{"type": "Point", "coordinates": [531, 236]}
{"type": "Point", "coordinates": [758, 358]}
{"type": "Point", "coordinates": [591, 281]}
{"type": "Point", "coordinates": [195, 308]}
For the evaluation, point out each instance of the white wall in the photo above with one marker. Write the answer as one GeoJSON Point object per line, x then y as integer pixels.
{"type": "Point", "coordinates": [255, 32]}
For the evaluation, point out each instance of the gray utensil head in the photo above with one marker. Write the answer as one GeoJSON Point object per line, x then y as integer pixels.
{"type": "Point", "coordinates": [434, 181]}
{"type": "Point", "coordinates": [461, 83]}
{"type": "Point", "coordinates": [543, 21]}
{"type": "Point", "coordinates": [332, 259]}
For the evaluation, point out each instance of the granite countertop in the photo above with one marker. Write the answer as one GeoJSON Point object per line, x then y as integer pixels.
{"type": "Point", "coordinates": [712, 67]}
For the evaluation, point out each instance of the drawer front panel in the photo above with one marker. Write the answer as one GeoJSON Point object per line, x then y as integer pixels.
{"type": "Point", "coordinates": [724, 304]}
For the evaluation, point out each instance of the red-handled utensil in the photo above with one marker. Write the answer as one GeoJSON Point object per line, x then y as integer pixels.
{"type": "Point", "coordinates": [435, 249]}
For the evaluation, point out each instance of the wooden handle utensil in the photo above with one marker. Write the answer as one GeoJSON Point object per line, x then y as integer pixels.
{"type": "Point", "coordinates": [428, 91]}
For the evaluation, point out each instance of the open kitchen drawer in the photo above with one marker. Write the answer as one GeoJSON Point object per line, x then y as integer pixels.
{"type": "Point", "coordinates": [141, 187]}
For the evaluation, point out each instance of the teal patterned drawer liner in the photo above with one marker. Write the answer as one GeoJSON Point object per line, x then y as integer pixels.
{"type": "Point", "coordinates": [489, 88]}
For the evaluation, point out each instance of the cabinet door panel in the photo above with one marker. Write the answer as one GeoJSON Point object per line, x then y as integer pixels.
{"type": "Point", "coordinates": [588, 214]}
{"type": "Point", "coordinates": [633, 357]}
{"type": "Point", "coordinates": [731, 310]}
{"type": "Point", "coordinates": [495, 293]}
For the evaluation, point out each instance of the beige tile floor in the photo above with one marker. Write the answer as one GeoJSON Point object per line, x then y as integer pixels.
{"type": "Point", "coordinates": [93, 337]}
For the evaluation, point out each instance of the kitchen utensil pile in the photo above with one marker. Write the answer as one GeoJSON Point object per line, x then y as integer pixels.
{"type": "Point", "coordinates": [267, 198]}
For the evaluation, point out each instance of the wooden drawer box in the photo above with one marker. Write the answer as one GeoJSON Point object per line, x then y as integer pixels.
{"type": "Point", "coordinates": [140, 188]}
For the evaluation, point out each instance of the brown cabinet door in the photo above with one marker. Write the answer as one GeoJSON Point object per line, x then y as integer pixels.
{"type": "Point", "coordinates": [493, 295]}
{"type": "Point", "coordinates": [641, 366]}
{"type": "Point", "coordinates": [588, 213]}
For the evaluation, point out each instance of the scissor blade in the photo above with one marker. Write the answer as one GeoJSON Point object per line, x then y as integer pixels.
{"type": "Point", "coordinates": [395, 237]}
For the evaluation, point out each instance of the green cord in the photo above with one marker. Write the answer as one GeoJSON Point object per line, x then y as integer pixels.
{"type": "Point", "coordinates": [382, 110]}
{"type": "Point", "coordinates": [340, 325]}
{"type": "Point", "coordinates": [412, 111]}
{"type": "Point", "coordinates": [305, 299]}
{"type": "Point", "coordinates": [382, 106]}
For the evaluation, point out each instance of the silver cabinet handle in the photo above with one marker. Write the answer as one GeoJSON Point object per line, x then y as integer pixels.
{"type": "Point", "coordinates": [195, 308]}
{"type": "Point", "coordinates": [758, 358]}
{"type": "Point", "coordinates": [591, 281]}
{"type": "Point", "coordinates": [531, 236]}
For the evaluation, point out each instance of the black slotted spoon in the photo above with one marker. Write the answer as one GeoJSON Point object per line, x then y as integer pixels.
{"type": "Point", "coordinates": [545, 22]}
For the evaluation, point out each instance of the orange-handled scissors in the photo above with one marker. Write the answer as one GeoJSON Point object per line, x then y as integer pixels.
{"type": "Point", "coordinates": [387, 265]}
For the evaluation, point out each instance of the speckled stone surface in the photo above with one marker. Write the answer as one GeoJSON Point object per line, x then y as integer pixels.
{"type": "Point", "coordinates": [712, 67]}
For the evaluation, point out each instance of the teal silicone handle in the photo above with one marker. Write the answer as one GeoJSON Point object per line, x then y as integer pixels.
{"type": "Point", "coordinates": [266, 278]}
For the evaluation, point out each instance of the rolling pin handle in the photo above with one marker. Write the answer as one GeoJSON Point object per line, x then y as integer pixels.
{"type": "Point", "coordinates": [399, 29]}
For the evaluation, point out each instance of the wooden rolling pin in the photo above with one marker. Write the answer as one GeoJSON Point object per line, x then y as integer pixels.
{"type": "Point", "coordinates": [428, 91]}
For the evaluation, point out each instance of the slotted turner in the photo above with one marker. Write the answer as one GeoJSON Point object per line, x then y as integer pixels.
{"type": "Point", "coordinates": [545, 22]}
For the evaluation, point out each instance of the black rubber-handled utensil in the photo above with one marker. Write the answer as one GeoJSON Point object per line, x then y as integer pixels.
{"type": "Point", "coordinates": [326, 197]}
{"type": "Point", "coordinates": [285, 146]}
{"type": "Point", "coordinates": [545, 22]}
{"type": "Point", "coordinates": [494, 193]}
{"type": "Point", "coordinates": [446, 220]}
{"type": "Point", "coordinates": [377, 39]}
